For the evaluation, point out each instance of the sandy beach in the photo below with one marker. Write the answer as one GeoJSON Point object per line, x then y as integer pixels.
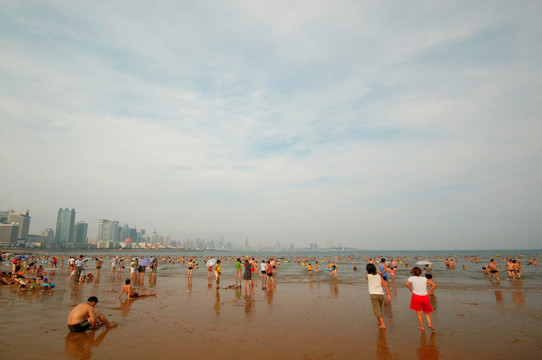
{"type": "Point", "coordinates": [325, 319]}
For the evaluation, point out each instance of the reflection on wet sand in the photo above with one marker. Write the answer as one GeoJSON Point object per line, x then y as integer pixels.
{"type": "Point", "coordinates": [382, 349]}
{"type": "Point", "coordinates": [269, 293]}
{"type": "Point", "coordinates": [250, 304]}
{"type": "Point", "coordinates": [433, 301]}
{"type": "Point", "coordinates": [217, 303]}
{"type": "Point", "coordinates": [125, 306]}
{"type": "Point", "coordinates": [334, 290]}
{"type": "Point", "coordinates": [78, 345]}
{"type": "Point", "coordinates": [518, 296]}
{"type": "Point", "coordinates": [428, 351]}
{"type": "Point", "coordinates": [75, 294]}
{"type": "Point", "coordinates": [498, 296]}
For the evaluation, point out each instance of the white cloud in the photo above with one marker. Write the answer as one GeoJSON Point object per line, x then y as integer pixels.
{"type": "Point", "coordinates": [300, 122]}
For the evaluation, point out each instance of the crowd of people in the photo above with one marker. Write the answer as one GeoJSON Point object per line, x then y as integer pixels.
{"type": "Point", "coordinates": [28, 274]}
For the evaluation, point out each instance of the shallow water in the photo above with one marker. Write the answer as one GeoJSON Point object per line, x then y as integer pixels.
{"type": "Point", "coordinates": [471, 278]}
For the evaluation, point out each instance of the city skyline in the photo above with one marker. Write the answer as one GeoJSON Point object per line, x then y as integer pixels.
{"type": "Point", "coordinates": [380, 125]}
{"type": "Point", "coordinates": [71, 233]}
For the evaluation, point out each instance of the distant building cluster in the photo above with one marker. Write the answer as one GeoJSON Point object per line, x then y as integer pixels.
{"type": "Point", "coordinates": [14, 225]}
{"type": "Point", "coordinates": [72, 234]}
{"type": "Point", "coordinates": [69, 234]}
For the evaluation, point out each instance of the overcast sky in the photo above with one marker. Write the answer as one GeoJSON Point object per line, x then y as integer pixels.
{"type": "Point", "coordinates": [377, 124]}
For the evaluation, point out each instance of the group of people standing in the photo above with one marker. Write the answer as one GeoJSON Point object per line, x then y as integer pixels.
{"type": "Point", "coordinates": [268, 268]}
{"type": "Point", "coordinates": [377, 280]}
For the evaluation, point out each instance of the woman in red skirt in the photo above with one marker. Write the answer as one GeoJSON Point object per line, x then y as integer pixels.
{"type": "Point", "coordinates": [420, 296]}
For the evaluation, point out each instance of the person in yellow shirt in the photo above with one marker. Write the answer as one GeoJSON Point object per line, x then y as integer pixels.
{"type": "Point", "coordinates": [218, 271]}
{"type": "Point", "coordinates": [309, 267]}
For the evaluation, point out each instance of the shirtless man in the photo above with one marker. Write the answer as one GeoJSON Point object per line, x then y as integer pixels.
{"type": "Point", "coordinates": [517, 268]}
{"type": "Point", "coordinates": [131, 293]}
{"type": "Point", "coordinates": [99, 263]}
{"type": "Point", "coordinates": [494, 270]}
{"type": "Point", "coordinates": [510, 269]}
{"type": "Point", "coordinates": [83, 317]}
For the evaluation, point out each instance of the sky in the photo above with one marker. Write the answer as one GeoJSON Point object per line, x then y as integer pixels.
{"type": "Point", "coordinates": [390, 125]}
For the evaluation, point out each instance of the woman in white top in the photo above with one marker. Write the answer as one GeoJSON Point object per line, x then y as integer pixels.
{"type": "Point", "coordinates": [376, 282]}
{"type": "Point", "coordinates": [420, 296]}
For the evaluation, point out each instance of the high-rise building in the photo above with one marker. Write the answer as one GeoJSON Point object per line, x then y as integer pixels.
{"type": "Point", "coordinates": [49, 235]}
{"type": "Point", "coordinates": [108, 233]}
{"type": "Point", "coordinates": [154, 237]}
{"type": "Point", "coordinates": [65, 223]}
{"type": "Point", "coordinates": [21, 218]}
{"type": "Point", "coordinates": [8, 235]}
{"type": "Point", "coordinates": [81, 229]}
{"type": "Point", "coordinates": [125, 233]}
{"type": "Point", "coordinates": [133, 235]}
{"type": "Point", "coordinates": [4, 217]}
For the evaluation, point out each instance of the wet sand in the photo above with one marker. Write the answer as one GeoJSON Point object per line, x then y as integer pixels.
{"type": "Point", "coordinates": [309, 320]}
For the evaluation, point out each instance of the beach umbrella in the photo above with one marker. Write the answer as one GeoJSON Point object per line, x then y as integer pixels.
{"type": "Point", "coordinates": [145, 261]}
{"type": "Point", "coordinates": [424, 262]}
{"type": "Point", "coordinates": [135, 258]}
{"type": "Point", "coordinates": [21, 257]}
{"type": "Point", "coordinates": [211, 262]}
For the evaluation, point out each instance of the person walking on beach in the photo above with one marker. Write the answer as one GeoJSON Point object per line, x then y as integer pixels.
{"type": "Point", "coordinates": [420, 296]}
{"type": "Point", "coordinates": [210, 272]}
{"type": "Point", "coordinates": [376, 282]}
{"type": "Point", "coordinates": [428, 271]}
{"type": "Point", "coordinates": [190, 267]}
{"type": "Point", "coordinates": [494, 270]}
{"type": "Point", "coordinates": [247, 276]}
{"type": "Point", "coordinates": [99, 263]}
{"type": "Point", "coordinates": [269, 272]}
{"type": "Point", "coordinates": [238, 271]}
{"type": "Point", "coordinates": [78, 269]}
{"type": "Point", "coordinates": [510, 269]}
{"type": "Point", "coordinates": [218, 272]}
{"type": "Point", "coordinates": [517, 268]}
{"type": "Point", "coordinates": [263, 270]}
{"type": "Point", "coordinates": [383, 269]}
{"type": "Point", "coordinates": [114, 263]}
{"type": "Point", "coordinates": [131, 293]}
{"type": "Point", "coordinates": [334, 269]}
{"type": "Point", "coordinates": [83, 317]}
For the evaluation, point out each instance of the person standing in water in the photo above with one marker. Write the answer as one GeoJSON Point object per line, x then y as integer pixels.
{"type": "Point", "coordinates": [376, 294]}
{"type": "Point", "coordinates": [420, 296]}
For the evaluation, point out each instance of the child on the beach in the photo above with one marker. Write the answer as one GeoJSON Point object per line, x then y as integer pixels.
{"type": "Point", "coordinates": [218, 272]}
{"type": "Point", "coordinates": [420, 296]}
{"type": "Point", "coordinates": [376, 294]}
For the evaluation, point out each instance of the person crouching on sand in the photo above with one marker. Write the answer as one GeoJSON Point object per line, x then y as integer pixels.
{"type": "Point", "coordinates": [420, 296]}
{"type": "Point", "coordinates": [376, 282]}
{"type": "Point", "coordinates": [83, 317]}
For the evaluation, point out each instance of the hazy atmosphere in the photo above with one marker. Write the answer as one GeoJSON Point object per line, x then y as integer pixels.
{"type": "Point", "coordinates": [376, 124]}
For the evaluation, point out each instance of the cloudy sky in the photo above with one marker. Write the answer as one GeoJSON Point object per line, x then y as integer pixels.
{"type": "Point", "coordinates": [377, 124]}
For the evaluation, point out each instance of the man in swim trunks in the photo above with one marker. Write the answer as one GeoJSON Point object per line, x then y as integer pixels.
{"type": "Point", "coordinates": [494, 270]}
{"type": "Point", "coordinates": [83, 317]}
{"type": "Point", "coordinates": [131, 293]}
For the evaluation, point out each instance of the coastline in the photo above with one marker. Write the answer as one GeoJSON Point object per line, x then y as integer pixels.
{"type": "Point", "coordinates": [313, 320]}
